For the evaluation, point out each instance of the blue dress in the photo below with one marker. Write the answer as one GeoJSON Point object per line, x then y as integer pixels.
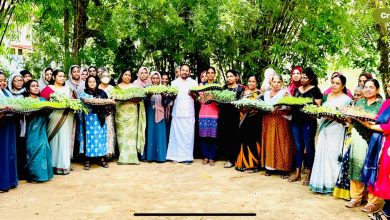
{"type": "Point", "coordinates": [8, 170]}
{"type": "Point", "coordinates": [39, 165]}
{"type": "Point", "coordinates": [156, 137]}
{"type": "Point", "coordinates": [95, 134]}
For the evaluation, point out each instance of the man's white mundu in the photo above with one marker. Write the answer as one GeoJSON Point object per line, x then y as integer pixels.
{"type": "Point", "coordinates": [181, 138]}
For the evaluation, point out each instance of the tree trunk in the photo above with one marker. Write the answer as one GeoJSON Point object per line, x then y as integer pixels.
{"type": "Point", "coordinates": [80, 30]}
{"type": "Point", "coordinates": [66, 34]}
{"type": "Point", "coordinates": [383, 46]}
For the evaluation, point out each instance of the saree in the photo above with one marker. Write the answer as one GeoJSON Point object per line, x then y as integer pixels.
{"type": "Point", "coordinates": [326, 166]}
{"type": "Point", "coordinates": [60, 132]}
{"type": "Point", "coordinates": [39, 165]}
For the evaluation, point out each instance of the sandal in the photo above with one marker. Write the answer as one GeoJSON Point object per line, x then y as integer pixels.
{"type": "Point", "coordinates": [205, 161]}
{"type": "Point", "coordinates": [284, 176]}
{"type": "Point", "coordinates": [212, 162]}
{"type": "Point", "coordinates": [103, 163]}
{"type": "Point", "coordinates": [370, 207]}
{"type": "Point", "coordinates": [306, 182]}
{"type": "Point", "coordinates": [268, 173]}
{"type": "Point", "coordinates": [353, 203]}
{"type": "Point", "coordinates": [228, 165]}
{"type": "Point", "coordinates": [86, 165]}
{"type": "Point", "coordinates": [294, 178]}
{"type": "Point", "coordinates": [378, 216]}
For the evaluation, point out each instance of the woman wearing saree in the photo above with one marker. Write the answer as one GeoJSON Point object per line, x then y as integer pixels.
{"type": "Point", "coordinates": [156, 134]}
{"type": "Point", "coordinates": [94, 125]}
{"type": "Point", "coordinates": [371, 103]}
{"type": "Point", "coordinates": [249, 132]}
{"type": "Point", "coordinates": [39, 165]}
{"type": "Point", "coordinates": [326, 167]}
{"type": "Point", "coordinates": [8, 169]}
{"type": "Point", "coordinates": [277, 142]}
{"type": "Point", "coordinates": [110, 121]}
{"type": "Point", "coordinates": [130, 120]}
{"type": "Point", "coordinates": [60, 125]}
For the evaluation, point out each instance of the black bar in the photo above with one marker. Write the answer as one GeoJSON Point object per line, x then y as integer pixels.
{"type": "Point", "coordinates": [194, 214]}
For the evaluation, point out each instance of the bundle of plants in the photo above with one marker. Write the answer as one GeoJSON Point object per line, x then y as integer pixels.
{"type": "Point", "coordinates": [74, 104]}
{"type": "Point", "coordinates": [294, 101]}
{"type": "Point", "coordinates": [357, 113]}
{"type": "Point", "coordinates": [207, 87]}
{"type": "Point", "coordinates": [161, 89]}
{"type": "Point", "coordinates": [320, 111]}
{"type": "Point", "coordinates": [99, 101]}
{"type": "Point", "coordinates": [224, 96]}
{"type": "Point", "coordinates": [254, 104]}
{"type": "Point", "coordinates": [134, 94]}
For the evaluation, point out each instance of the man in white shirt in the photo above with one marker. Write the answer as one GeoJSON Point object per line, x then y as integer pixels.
{"type": "Point", "coordinates": [181, 138]}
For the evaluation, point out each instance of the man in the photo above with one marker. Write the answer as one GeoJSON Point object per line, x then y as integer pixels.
{"type": "Point", "coordinates": [74, 81]}
{"type": "Point", "coordinates": [26, 75]}
{"type": "Point", "coordinates": [181, 138]}
{"type": "Point", "coordinates": [92, 71]}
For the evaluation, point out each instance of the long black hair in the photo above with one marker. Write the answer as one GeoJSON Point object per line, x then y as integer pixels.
{"type": "Point", "coordinates": [27, 86]}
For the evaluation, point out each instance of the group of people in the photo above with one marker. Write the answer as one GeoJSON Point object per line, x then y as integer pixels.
{"type": "Point", "coordinates": [347, 158]}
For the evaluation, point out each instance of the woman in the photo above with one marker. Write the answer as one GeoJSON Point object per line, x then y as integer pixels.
{"type": "Point", "coordinates": [277, 142]}
{"type": "Point", "coordinates": [110, 120]}
{"type": "Point", "coordinates": [329, 146]}
{"type": "Point", "coordinates": [84, 74]}
{"type": "Point", "coordinates": [363, 79]}
{"type": "Point", "coordinates": [357, 94]}
{"type": "Point", "coordinates": [295, 79]}
{"type": "Point", "coordinates": [249, 132]}
{"type": "Point", "coordinates": [203, 77]}
{"type": "Point", "coordinates": [39, 165]}
{"type": "Point", "coordinates": [329, 90]}
{"type": "Point", "coordinates": [60, 127]}
{"type": "Point", "coordinates": [165, 79]}
{"type": "Point", "coordinates": [303, 127]}
{"type": "Point", "coordinates": [156, 142]}
{"type": "Point", "coordinates": [208, 124]}
{"type": "Point", "coordinates": [8, 169]}
{"type": "Point", "coordinates": [371, 103]}
{"type": "Point", "coordinates": [45, 78]}
{"type": "Point", "coordinates": [143, 79]}
{"type": "Point", "coordinates": [268, 74]}
{"type": "Point", "coordinates": [228, 122]}
{"type": "Point", "coordinates": [130, 124]}
{"type": "Point", "coordinates": [382, 181]}
{"type": "Point", "coordinates": [16, 85]}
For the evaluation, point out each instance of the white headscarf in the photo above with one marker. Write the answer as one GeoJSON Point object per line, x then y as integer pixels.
{"type": "Point", "coordinates": [42, 81]}
{"type": "Point", "coordinates": [18, 94]}
{"type": "Point", "coordinates": [77, 88]}
{"type": "Point", "coordinates": [268, 74]}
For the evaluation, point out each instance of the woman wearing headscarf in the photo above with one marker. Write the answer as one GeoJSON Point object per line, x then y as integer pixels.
{"type": "Point", "coordinates": [143, 79]}
{"type": "Point", "coordinates": [16, 88]}
{"type": "Point", "coordinates": [266, 85]}
{"type": "Point", "coordinates": [130, 120]}
{"type": "Point", "coordinates": [8, 168]}
{"type": "Point", "coordinates": [94, 124]}
{"type": "Point", "coordinates": [156, 140]}
{"type": "Point", "coordinates": [295, 79]}
{"type": "Point", "coordinates": [74, 81]}
{"type": "Point", "coordinates": [110, 121]}
{"type": "Point", "coordinates": [38, 164]}
{"type": "Point", "coordinates": [60, 127]}
{"type": "Point", "coordinates": [45, 78]}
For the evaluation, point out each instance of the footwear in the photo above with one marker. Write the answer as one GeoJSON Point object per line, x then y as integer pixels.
{"type": "Point", "coordinates": [306, 182]}
{"type": "Point", "coordinates": [187, 162]}
{"type": "Point", "coordinates": [228, 165]}
{"type": "Point", "coordinates": [353, 203]}
{"type": "Point", "coordinates": [205, 161]}
{"type": "Point", "coordinates": [370, 207]}
{"type": "Point", "coordinates": [212, 162]}
{"type": "Point", "coordinates": [86, 165]}
{"type": "Point", "coordinates": [268, 173]}
{"type": "Point", "coordinates": [103, 164]}
{"type": "Point", "coordinates": [294, 178]}
{"type": "Point", "coordinates": [378, 216]}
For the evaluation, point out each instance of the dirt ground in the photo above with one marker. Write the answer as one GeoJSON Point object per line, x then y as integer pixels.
{"type": "Point", "coordinates": [120, 191]}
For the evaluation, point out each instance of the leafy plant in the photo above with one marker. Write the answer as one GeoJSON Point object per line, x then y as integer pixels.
{"type": "Point", "coordinates": [207, 87]}
{"type": "Point", "coordinates": [255, 103]}
{"type": "Point", "coordinates": [288, 100]}
{"type": "Point", "coordinates": [128, 94]}
{"type": "Point", "coordinates": [161, 89]}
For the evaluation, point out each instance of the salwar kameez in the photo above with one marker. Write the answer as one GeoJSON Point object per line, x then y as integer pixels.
{"type": "Point", "coordinates": [131, 124]}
